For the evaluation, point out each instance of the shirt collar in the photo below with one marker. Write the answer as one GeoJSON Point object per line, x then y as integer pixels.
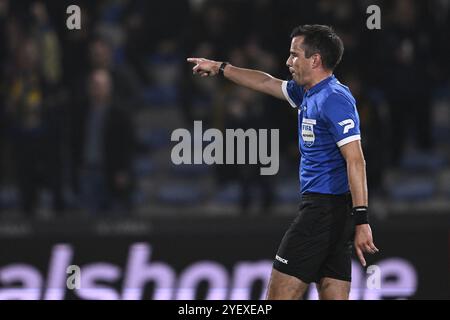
{"type": "Point", "coordinates": [318, 86]}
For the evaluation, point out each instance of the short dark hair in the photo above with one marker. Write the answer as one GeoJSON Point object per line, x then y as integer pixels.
{"type": "Point", "coordinates": [323, 40]}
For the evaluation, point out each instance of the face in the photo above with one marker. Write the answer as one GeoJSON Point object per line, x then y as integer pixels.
{"type": "Point", "coordinates": [100, 54]}
{"type": "Point", "coordinates": [299, 66]}
{"type": "Point", "coordinates": [100, 86]}
{"type": "Point", "coordinates": [28, 55]}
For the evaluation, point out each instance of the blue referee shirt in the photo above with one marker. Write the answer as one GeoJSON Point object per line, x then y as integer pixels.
{"type": "Point", "coordinates": [327, 120]}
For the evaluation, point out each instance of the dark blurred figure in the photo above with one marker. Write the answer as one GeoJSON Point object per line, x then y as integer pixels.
{"type": "Point", "coordinates": [34, 129]}
{"type": "Point", "coordinates": [75, 60]}
{"type": "Point", "coordinates": [407, 80]}
{"type": "Point", "coordinates": [103, 146]}
{"type": "Point", "coordinates": [100, 55]}
{"type": "Point", "coordinates": [201, 99]}
{"type": "Point", "coordinates": [4, 56]}
{"type": "Point", "coordinates": [126, 83]}
{"type": "Point", "coordinates": [245, 111]}
{"type": "Point", "coordinates": [211, 22]}
{"type": "Point", "coordinates": [48, 44]}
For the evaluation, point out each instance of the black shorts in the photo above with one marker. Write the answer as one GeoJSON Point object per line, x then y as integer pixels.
{"type": "Point", "coordinates": [319, 242]}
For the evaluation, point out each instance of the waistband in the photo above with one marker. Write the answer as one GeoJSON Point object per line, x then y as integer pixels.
{"type": "Point", "coordinates": [326, 197]}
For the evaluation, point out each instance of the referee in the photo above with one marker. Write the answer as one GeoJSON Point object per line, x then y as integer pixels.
{"type": "Point", "coordinates": [334, 206]}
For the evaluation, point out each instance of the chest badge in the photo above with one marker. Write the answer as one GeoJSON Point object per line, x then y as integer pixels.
{"type": "Point", "coordinates": [308, 132]}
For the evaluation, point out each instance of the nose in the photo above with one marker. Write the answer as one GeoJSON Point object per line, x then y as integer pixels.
{"type": "Point", "coordinates": [289, 62]}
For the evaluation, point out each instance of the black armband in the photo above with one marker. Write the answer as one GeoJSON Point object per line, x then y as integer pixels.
{"type": "Point", "coordinates": [222, 68]}
{"type": "Point", "coordinates": [361, 215]}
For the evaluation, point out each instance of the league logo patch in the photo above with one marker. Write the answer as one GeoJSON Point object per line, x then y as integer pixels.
{"type": "Point", "coordinates": [347, 124]}
{"type": "Point", "coordinates": [308, 132]}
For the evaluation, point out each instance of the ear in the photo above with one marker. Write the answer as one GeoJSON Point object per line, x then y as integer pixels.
{"type": "Point", "coordinates": [316, 61]}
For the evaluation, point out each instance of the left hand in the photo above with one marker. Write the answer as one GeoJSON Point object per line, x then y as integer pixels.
{"type": "Point", "coordinates": [364, 242]}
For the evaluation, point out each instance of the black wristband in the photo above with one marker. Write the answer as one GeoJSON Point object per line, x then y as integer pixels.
{"type": "Point", "coordinates": [222, 67]}
{"type": "Point", "coordinates": [361, 215]}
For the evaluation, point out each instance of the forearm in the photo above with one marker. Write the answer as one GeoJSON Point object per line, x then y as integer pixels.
{"type": "Point", "coordinates": [255, 80]}
{"type": "Point", "coordinates": [356, 171]}
{"type": "Point", "coordinates": [252, 79]}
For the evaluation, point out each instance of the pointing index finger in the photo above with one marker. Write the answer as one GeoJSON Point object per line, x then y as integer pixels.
{"type": "Point", "coordinates": [193, 60]}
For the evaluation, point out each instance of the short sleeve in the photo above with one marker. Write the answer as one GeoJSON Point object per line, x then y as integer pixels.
{"type": "Point", "coordinates": [342, 118]}
{"type": "Point", "coordinates": [293, 93]}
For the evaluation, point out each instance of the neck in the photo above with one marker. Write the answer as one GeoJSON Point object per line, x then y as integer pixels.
{"type": "Point", "coordinates": [100, 102]}
{"type": "Point", "coordinates": [317, 78]}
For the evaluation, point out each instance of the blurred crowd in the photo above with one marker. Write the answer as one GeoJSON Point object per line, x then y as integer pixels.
{"type": "Point", "coordinates": [73, 103]}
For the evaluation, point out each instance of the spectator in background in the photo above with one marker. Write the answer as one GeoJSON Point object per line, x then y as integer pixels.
{"type": "Point", "coordinates": [244, 109]}
{"type": "Point", "coordinates": [3, 57]}
{"type": "Point", "coordinates": [201, 99]}
{"type": "Point", "coordinates": [75, 48]}
{"type": "Point", "coordinates": [50, 66]}
{"type": "Point", "coordinates": [32, 125]}
{"type": "Point", "coordinates": [213, 22]}
{"type": "Point", "coordinates": [100, 55]}
{"type": "Point", "coordinates": [409, 89]}
{"type": "Point", "coordinates": [125, 81]}
{"type": "Point", "coordinates": [103, 146]}
{"type": "Point", "coordinates": [48, 44]}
